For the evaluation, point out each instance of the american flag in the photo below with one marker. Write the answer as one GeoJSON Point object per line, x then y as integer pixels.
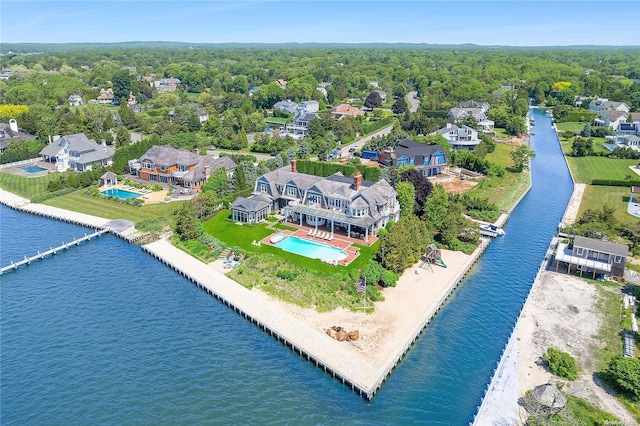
{"type": "Point", "coordinates": [361, 286]}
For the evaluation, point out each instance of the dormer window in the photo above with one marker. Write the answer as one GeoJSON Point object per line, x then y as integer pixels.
{"type": "Point", "coordinates": [292, 191]}
{"type": "Point", "coordinates": [182, 168]}
{"type": "Point", "coordinates": [147, 165]}
{"type": "Point", "coordinates": [263, 187]}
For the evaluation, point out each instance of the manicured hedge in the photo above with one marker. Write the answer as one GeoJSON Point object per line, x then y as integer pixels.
{"type": "Point", "coordinates": [322, 168]}
{"type": "Point", "coordinates": [613, 182]}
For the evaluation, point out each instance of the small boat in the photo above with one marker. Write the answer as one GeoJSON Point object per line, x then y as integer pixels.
{"type": "Point", "coordinates": [489, 230]}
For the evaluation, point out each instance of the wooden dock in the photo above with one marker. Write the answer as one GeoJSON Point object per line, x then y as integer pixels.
{"type": "Point", "coordinates": [52, 250]}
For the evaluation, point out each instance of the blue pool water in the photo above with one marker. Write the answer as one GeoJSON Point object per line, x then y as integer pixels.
{"type": "Point", "coordinates": [311, 249]}
{"type": "Point", "coordinates": [120, 193]}
{"type": "Point", "coordinates": [33, 169]}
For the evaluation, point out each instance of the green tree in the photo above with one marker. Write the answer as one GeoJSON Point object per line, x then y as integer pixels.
{"type": "Point", "coordinates": [520, 157]}
{"type": "Point", "coordinates": [515, 125]}
{"type": "Point", "coordinates": [127, 116]}
{"type": "Point", "coordinates": [122, 137]}
{"type": "Point", "coordinates": [239, 179]}
{"type": "Point", "coordinates": [187, 222]}
{"type": "Point", "coordinates": [436, 207]}
{"type": "Point", "coordinates": [217, 184]}
{"type": "Point", "coordinates": [121, 81]}
{"type": "Point", "coordinates": [267, 95]}
{"type": "Point", "coordinates": [403, 245]}
{"type": "Point", "coordinates": [406, 197]}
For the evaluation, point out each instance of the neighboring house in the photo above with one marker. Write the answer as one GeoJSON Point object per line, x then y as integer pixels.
{"type": "Point", "coordinates": [611, 119]}
{"type": "Point", "coordinates": [203, 115]}
{"type": "Point", "coordinates": [5, 74]}
{"type": "Point", "coordinates": [346, 110]}
{"type": "Point", "coordinates": [75, 100]}
{"type": "Point", "coordinates": [459, 114]}
{"type": "Point", "coordinates": [108, 179]}
{"type": "Point", "coordinates": [167, 165]}
{"type": "Point", "coordinates": [352, 206]}
{"type": "Point", "coordinates": [309, 106]}
{"type": "Point", "coordinates": [593, 256]}
{"type": "Point", "coordinates": [77, 152]}
{"type": "Point", "coordinates": [253, 89]}
{"type": "Point", "coordinates": [300, 125]}
{"type": "Point", "coordinates": [287, 106]}
{"type": "Point", "coordinates": [635, 117]}
{"type": "Point", "coordinates": [282, 83]}
{"type": "Point", "coordinates": [484, 106]}
{"type": "Point", "coordinates": [166, 84]}
{"type": "Point", "coordinates": [9, 132]}
{"type": "Point", "coordinates": [579, 100]}
{"type": "Point", "coordinates": [600, 105]}
{"type": "Point", "coordinates": [627, 136]}
{"type": "Point", "coordinates": [374, 84]}
{"type": "Point", "coordinates": [459, 137]}
{"type": "Point", "coordinates": [106, 96]}
{"type": "Point", "coordinates": [430, 160]}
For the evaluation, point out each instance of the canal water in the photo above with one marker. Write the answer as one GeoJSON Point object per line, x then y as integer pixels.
{"type": "Point", "coordinates": [105, 334]}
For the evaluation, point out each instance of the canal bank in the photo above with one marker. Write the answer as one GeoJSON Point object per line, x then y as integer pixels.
{"type": "Point", "coordinates": [499, 405]}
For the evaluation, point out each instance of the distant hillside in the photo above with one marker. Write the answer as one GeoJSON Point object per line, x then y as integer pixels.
{"type": "Point", "coordinates": [26, 48]}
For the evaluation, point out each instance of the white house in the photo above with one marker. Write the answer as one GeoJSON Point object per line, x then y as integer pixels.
{"type": "Point", "coordinates": [77, 152]}
{"type": "Point", "coordinates": [75, 100]}
{"type": "Point", "coordinates": [611, 118]}
{"type": "Point", "coordinates": [287, 106]}
{"type": "Point", "coordinates": [601, 104]}
{"type": "Point", "coordinates": [459, 137]}
{"type": "Point", "coordinates": [309, 106]}
{"type": "Point", "coordinates": [459, 114]}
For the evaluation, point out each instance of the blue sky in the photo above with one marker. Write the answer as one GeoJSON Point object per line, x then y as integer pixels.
{"type": "Point", "coordinates": [509, 23]}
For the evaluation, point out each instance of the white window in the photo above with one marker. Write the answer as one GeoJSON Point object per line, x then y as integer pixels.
{"type": "Point", "coordinates": [182, 168]}
{"type": "Point", "coordinates": [147, 165]}
{"type": "Point", "coordinates": [618, 259]}
{"type": "Point", "coordinates": [579, 251]}
{"type": "Point", "coordinates": [292, 190]}
{"type": "Point", "coordinates": [263, 187]}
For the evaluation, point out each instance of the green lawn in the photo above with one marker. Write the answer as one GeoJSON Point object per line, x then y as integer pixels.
{"type": "Point", "coordinates": [279, 120]}
{"type": "Point", "coordinates": [570, 126]}
{"type": "Point", "coordinates": [286, 276]}
{"type": "Point", "coordinates": [616, 196]}
{"type": "Point", "coordinates": [78, 201]}
{"type": "Point", "coordinates": [242, 236]}
{"type": "Point", "coordinates": [506, 190]}
{"type": "Point", "coordinates": [585, 169]}
{"type": "Point", "coordinates": [24, 186]}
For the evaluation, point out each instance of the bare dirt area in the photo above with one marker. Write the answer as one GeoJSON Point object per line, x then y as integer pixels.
{"type": "Point", "coordinates": [562, 313]}
{"type": "Point", "coordinates": [457, 185]}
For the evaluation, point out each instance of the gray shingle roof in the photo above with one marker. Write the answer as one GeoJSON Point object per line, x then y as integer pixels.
{"type": "Point", "coordinates": [601, 246]}
{"type": "Point", "coordinates": [252, 204]}
{"type": "Point", "coordinates": [90, 151]}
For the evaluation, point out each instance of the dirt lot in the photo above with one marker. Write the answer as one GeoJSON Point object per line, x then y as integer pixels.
{"type": "Point", "coordinates": [562, 313]}
{"type": "Point", "coordinates": [458, 185]}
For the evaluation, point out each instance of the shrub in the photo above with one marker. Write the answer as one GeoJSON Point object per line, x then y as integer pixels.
{"type": "Point", "coordinates": [626, 374]}
{"type": "Point", "coordinates": [561, 364]}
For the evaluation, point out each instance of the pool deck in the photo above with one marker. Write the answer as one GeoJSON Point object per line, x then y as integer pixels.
{"type": "Point", "coordinates": [338, 242]}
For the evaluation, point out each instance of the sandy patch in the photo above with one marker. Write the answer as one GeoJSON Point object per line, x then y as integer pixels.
{"type": "Point", "coordinates": [562, 313]}
{"type": "Point", "coordinates": [457, 185]}
{"type": "Point", "coordinates": [386, 330]}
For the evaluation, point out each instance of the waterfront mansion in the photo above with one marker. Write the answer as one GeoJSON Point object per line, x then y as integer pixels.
{"type": "Point", "coordinates": [170, 166]}
{"type": "Point", "coordinates": [346, 205]}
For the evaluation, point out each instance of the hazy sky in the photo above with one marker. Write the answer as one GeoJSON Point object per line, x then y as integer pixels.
{"type": "Point", "coordinates": [511, 23]}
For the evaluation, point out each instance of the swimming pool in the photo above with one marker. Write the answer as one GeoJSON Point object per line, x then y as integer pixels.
{"type": "Point", "coordinates": [120, 193]}
{"type": "Point", "coordinates": [311, 249]}
{"type": "Point", "coordinates": [32, 169]}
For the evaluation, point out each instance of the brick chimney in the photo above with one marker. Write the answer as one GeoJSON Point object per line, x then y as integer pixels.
{"type": "Point", "coordinates": [357, 180]}
{"type": "Point", "coordinates": [293, 165]}
{"type": "Point", "coordinates": [207, 171]}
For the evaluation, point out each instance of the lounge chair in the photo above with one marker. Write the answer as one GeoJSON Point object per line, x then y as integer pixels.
{"type": "Point", "coordinates": [321, 236]}
{"type": "Point", "coordinates": [326, 236]}
{"type": "Point", "coordinates": [312, 233]}
{"type": "Point", "coordinates": [330, 237]}
{"type": "Point", "coordinates": [309, 231]}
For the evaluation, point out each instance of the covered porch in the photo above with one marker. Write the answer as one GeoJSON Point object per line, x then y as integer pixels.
{"type": "Point", "coordinates": [591, 266]}
{"type": "Point", "coordinates": [358, 230]}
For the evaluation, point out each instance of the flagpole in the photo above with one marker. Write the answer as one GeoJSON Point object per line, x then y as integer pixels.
{"type": "Point", "coordinates": [364, 312]}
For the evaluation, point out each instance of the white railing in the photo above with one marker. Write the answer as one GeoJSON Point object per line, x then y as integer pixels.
{"type": "Point", "coordinates": [21, 163]}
